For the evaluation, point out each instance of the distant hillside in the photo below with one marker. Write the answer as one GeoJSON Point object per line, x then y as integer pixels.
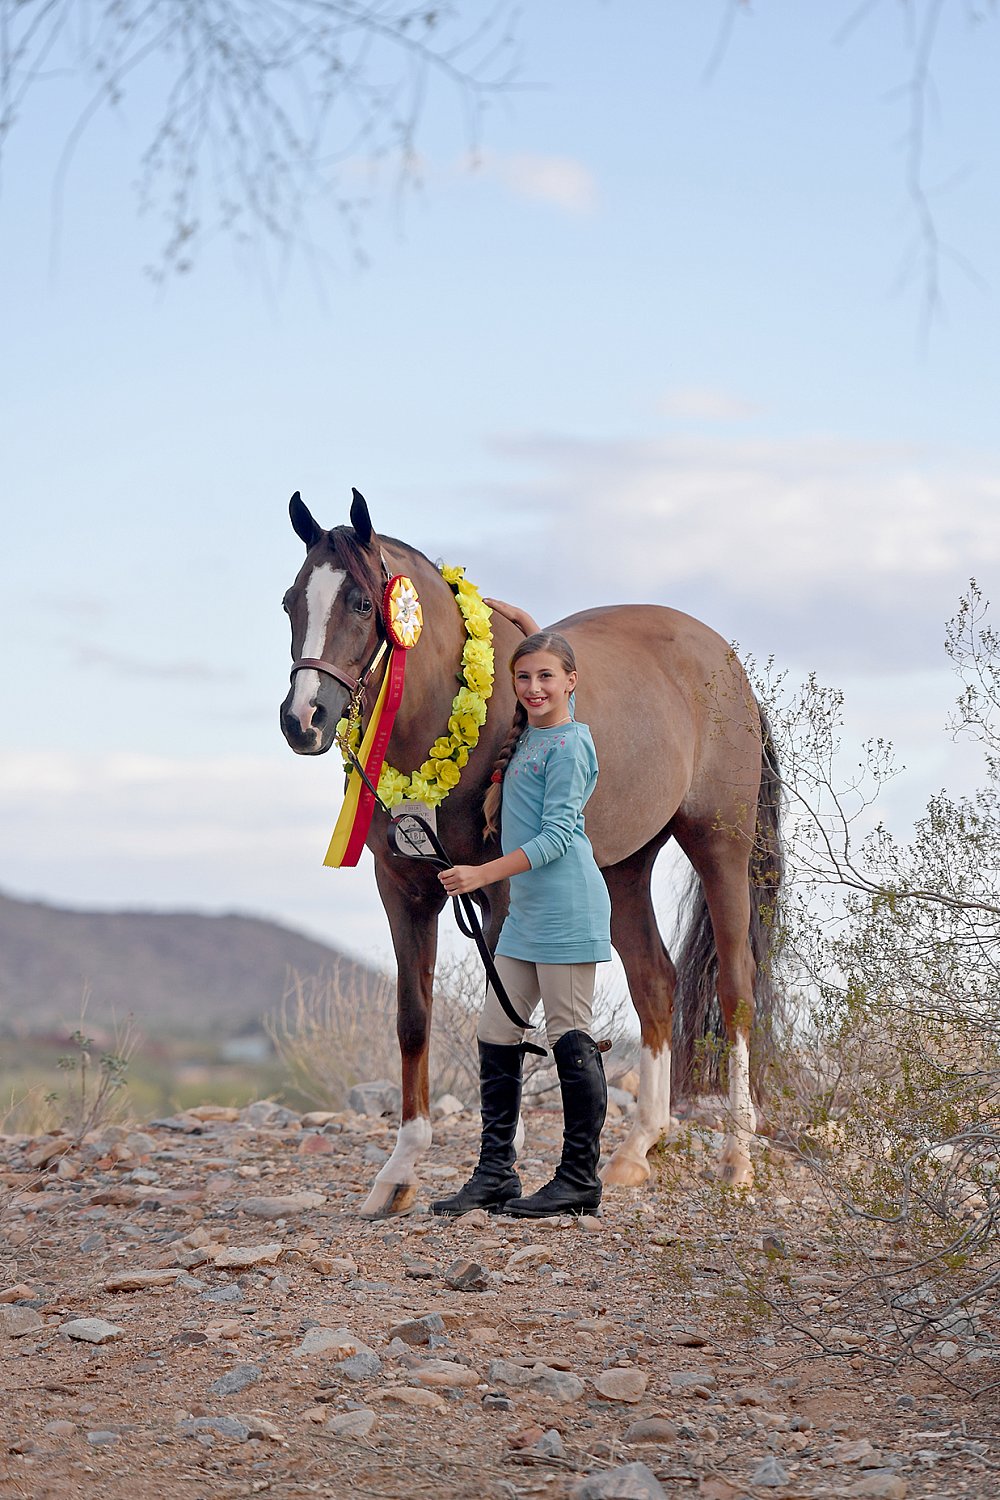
{"type": "Point", "coordinates": [172, 971]}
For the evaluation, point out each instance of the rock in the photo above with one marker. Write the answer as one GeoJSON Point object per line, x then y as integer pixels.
{"type": "Point", "coordinates": [184, 1124]}
{"type": "Point", "coordinates": [103, 1438]}
{"type": "Point", "coordinates": [774, 1245]}
{"type": "Point", "coordinates": [878, 1486]}
{"type": "Point", "coordinates": [242, 1257]}
{"type": "Point", "coordinates": [91, 1330]}
{"type": "Point", "coordinates": [58, 1428]}
{"type": "Point", "coordinates": [497, 1401]}
{"type": "Point", "coordinates": [138, 1281]}
{"type": "Point", "coordinates": [316, 1119]}
{"type": "Point", "coordinates": [506, 1372]}
{"type": "Point", "coordinates": [333, 1265]}
{"type": "Point", "coordinates": [751, 1395]}
{"type": "Point", "coordinates": [445, 1373]}
{"type": "Point", "coordinates": [419, 1270]}
{"type": "Point", "coordinates": [848, 1452]}
{"type": "Point", "coordinates": [351, 1426]}
{"type": "Point", "coordinates": [540, 1379]}
{"type": "Point", "coordinates": [48, 1151]}
{"type": "Point", "coordinates": [621, 1097]}
{"type": "Point", "coordinates": [235, 1380]}
{"type": "Point", "coordinates": [227, 1427]}
{"type": "Point", "coordinates": [411, 1395]}
{"type": "Point", "coordinates": [549, 1445]}
{"type": "Point", "coordinates": [651, 1430]}
{"type": "Point", "coordinates": [557, 1384]}
{"type": "Point", "coordinates": [418, 1330]}
{"type": "Point", "coordinates": [364, 1365]}
{"type": "Point", "coordinates": [467, 1276]}
{"type": "Point", "coordinates": [15, 1322]}
{"type": "Point", "coordinates": [223, 1113]}
{"type": "Point", "coordinates": [228, 1293]}
{"type": "Point", "coordinates": [622, 1384]}
{"type": "Point", "coordinates": [691, 1380]}
{"type": "Point", "coordinates": [19, 1293]}
{"type": "Point", "coordinates": [258, 1426]}
{"type": "Point", "coordinates": [282, 1208]}
{"type": "Point", "coordinates": [446, 1105]}
{"type": "Point", "coordinates": [337, 1341]}
{"type": "Point", "coordinates": [629, 1482]}
{"type": "Point", "coordinates": [265, 1113]}
{"type": "Point", "coordinates": [316, 1145]}
{"type": "Point", "coordinates": [848, 1336]}
{"type": "Point", "coordinates": [770, 1473]}
{"type": "Point", "coordinates": [381, 1097]}
{"type": "Point", "coordinates": [688, 1337]}
{"type": "Point", "coordinates": [528, 1255]}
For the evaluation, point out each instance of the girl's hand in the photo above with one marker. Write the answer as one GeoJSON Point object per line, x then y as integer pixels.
{"type": "Point", "coordinates": [461, 879]}
{"type": "Point", "coordinates": [519, 617]}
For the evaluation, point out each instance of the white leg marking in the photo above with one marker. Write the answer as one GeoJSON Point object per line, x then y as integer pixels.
{"type": "Point", "coordinates": [628, 1166]}
{"type": "Point", "coordinates": [740, 1101]}
{"type": "Point", "coordinates": [519, 1136]}
{"type": "Point", "coordinates": [412, 1140]}
{"type": "Point", "coordinates": [736, 1167]}
{"type": "Point", "coordinates": [321, 592]}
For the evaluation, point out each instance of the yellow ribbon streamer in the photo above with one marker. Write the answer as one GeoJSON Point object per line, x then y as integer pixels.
{"type": "Point", "coordinates": [345, 823]}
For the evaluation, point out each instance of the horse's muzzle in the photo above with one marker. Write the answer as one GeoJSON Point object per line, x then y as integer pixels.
{"type": "Point", "coordinates": [306, 738]}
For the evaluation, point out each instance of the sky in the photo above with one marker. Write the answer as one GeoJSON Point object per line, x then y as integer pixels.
{"type": "Point", "coordinates": [659, 332]}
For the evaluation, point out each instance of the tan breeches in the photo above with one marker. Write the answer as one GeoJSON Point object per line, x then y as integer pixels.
{"type": "Point", "coordinates": [565, 990]}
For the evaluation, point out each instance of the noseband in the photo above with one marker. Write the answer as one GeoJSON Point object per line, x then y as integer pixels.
{"type": "Point", "coordinates": [316, 665]}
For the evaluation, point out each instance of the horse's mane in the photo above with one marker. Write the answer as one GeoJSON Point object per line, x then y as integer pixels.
{"type": "Point", "coordinates": [356, 560]}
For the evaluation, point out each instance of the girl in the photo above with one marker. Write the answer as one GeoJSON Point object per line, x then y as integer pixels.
{"type": "Point", "coordinates": [556, 932]}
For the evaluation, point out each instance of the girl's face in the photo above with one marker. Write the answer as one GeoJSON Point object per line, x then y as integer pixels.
{"type": "Point", "coordinates": [543, 686]}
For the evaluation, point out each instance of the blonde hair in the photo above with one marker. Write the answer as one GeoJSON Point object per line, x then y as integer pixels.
{"type": "Point", "coordinates": [542, 640]}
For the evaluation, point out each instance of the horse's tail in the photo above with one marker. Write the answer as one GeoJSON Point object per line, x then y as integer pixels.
{"type": "Point", "coordinates": [699, 1038]}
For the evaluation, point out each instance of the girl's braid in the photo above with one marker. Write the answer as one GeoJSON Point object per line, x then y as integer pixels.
{"type": "Point", "coordinates": [494, 795]}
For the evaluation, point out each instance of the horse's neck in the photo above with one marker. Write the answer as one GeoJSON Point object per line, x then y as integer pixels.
{"type": "Point", "coordinates": [432, 666]}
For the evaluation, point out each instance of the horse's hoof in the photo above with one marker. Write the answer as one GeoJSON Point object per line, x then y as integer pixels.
{"type": "Point", "coordinates": [387, 1200]}
{"type": "Point", "coordinates": [624, 1171]}
{"type": "Point", "coordinates": [736, 1169]}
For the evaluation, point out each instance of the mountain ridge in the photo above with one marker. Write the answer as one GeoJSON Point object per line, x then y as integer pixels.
{"type": "Point", "coordinates": [173, 971]}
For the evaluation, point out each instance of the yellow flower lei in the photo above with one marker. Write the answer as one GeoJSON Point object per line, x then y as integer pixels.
{"type": "Point", "coordinates": [447, 757]}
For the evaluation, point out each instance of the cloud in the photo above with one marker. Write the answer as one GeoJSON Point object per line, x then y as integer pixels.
{"type": "Point", "coordinates": [559, 180]}
{"type": "Point", "coordinates": [121, 664]}
{"type": "Point", "coordinates": [702, 403]}
{"type": "Point", "coordinates": [838, 553]}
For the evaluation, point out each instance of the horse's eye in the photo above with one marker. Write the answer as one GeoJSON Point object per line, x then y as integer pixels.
{"type": "Point", "coordinates": [364, 606]}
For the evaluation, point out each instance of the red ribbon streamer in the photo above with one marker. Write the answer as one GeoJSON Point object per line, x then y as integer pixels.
{"type": "Point", "coordinates": [376, 757]}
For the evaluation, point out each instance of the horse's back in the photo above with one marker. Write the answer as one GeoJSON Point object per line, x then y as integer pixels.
{"type": "Point", "coordinates": [673, 719]}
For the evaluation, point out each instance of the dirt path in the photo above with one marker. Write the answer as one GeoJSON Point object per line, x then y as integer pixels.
{"type": "Point", "coordinates": [260, 1339]}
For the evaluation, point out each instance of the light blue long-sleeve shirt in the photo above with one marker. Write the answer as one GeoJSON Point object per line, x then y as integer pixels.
{"type": "Point", "coordinates": [560, 910]}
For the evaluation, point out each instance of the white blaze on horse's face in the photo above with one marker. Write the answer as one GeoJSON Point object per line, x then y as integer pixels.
{"type": "Point", "coordinates": [324, 585]}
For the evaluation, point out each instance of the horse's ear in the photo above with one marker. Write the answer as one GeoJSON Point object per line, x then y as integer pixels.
{"type": "Point", "coordinates": [305, 527]}
{"type": "Point", "coordinates": [360, 519]}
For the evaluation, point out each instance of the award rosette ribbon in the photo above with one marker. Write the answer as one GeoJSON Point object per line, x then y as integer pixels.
{"type": "Point", "coordinates": [403, 620]}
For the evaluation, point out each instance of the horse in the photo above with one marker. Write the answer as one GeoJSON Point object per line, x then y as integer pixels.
{"type": "Point", "coordinates": [684, 752]}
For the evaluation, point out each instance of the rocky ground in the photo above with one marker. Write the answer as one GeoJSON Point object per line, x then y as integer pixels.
{"type": "Point", "coordinates": [194, 1309]}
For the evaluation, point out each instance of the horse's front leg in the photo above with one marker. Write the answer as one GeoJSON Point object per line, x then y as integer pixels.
{"type": "Point", "coordinates": [413, 909]}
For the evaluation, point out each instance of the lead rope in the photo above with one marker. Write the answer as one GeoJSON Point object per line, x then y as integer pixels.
{"type": "Point", "coordinates": [463, 906]}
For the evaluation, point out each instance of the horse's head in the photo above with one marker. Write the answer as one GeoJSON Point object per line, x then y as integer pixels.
{"type": "Point", "coordinates": [333, 606]}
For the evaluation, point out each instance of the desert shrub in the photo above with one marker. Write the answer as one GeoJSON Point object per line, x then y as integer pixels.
{"type": "Point", "coordinates": [891, 1087]}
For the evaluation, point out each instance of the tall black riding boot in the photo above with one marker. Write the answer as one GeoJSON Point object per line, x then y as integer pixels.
{"type": "Point", "coordinates": [576, 1187]}
{"type": "Point", "coordinates": [494, 1182]}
